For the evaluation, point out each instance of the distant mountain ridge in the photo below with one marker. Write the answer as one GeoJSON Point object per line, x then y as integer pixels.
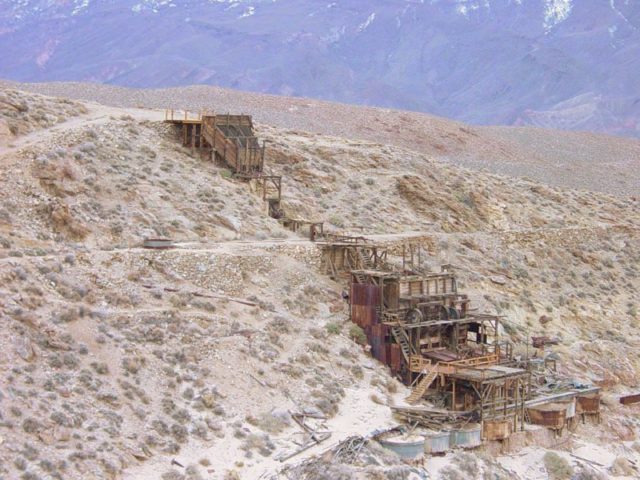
{"type": "Point", "coordinates": [553, 63]}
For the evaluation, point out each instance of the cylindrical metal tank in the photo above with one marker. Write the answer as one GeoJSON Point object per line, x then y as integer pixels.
{"type": "Point", "coordinates": [467, 437]}
{"type": "Point", "coordinates": [158, 243]}
{"type": "Point", "coordinates": [409, 449]}
{"type": "Point", "coordinates": [437, 442]}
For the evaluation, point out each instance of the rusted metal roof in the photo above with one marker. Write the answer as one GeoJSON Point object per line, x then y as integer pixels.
{"type": "Point", "coordinates": [630, 399]}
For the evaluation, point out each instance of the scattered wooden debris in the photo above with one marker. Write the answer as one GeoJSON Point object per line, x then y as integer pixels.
{"type": "Point", "coordinates": [207, 295]}
{"type": "Point", "coordinates": [315, 436]}
{"type": "Point", "coordinates": [434, 419]}
{"type": "Point", "coordinates": [541, 342]}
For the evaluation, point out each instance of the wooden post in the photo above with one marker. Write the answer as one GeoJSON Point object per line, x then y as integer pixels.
{"type": "Point", "coordinates": [214, 133]}
{"type": "Point", "coordinates": [237, 151]}
{"type": "Point", "coordinates": [453, 396]}
{"type": "Point", "coordinates": [403, 257]}
{"type": "Point", "coordinates": [247, 160]}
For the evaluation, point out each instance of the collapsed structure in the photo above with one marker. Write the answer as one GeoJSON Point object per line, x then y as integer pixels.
{"type": "Point", "coordinates": [416, 322]}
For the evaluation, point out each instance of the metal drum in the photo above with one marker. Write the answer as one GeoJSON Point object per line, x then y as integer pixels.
{"type": "Point", "coordinates": [437, 442]}
{"type": "Point", "coordinates": [408, 449]}
{"type": "Point", "coordinates": [467, 437]}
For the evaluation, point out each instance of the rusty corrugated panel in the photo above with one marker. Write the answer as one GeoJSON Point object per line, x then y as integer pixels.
{"type": "Point", "coordinates": [550, 417]}
{"type": "Point", "coordinates": [396, 358]}
{"type": "Point", "coordinates": [630, 399]}
{"type": "Point", "coordinates": [377, 342]}
{"type": "Point", "coordinates": [364, 299]}
{"type": "Point", "coordinates": [589, 404]}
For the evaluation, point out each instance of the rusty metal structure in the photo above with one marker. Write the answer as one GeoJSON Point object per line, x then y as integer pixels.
{"type": "Point", "coordinates": [423, 327]}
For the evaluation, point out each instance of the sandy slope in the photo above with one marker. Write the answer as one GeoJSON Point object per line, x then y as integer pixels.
{"type": "Point", "coordinates": [110, 363]}
{"type": "Point", "coordinates": [576, 160]}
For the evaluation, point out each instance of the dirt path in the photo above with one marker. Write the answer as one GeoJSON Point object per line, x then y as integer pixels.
{"type": "Point", "coordinates": [97, 115]}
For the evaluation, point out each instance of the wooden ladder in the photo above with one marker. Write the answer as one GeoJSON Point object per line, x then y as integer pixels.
{"type": "Point", "coordinates": [364, 258]}
{"type": "Point", "coordinates": [423, 385]}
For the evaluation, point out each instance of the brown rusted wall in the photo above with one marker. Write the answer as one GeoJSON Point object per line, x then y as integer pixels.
{"type": "Point", "coordinates": [588, 404]}
{"type": "Point", "coordinates": [364, 299]}
{"type": "Point", "coordinates": [554, 419]}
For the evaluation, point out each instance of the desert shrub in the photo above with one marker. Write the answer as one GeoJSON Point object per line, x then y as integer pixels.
{"type": "Point", "coordinates": [261, 443]}
{"type": "Point", "coordinates": [357, 372]}
{"type": "Point", "coordinates": [587, 474]}
{"type": "Point", "coordinates": [556, 466]}
{"type": "Point", "coordinates": [451, 473]}
{"type": "Point", "coordinates": [357, 335]}
{"type": "Point", "coordinates": [100, 367]}
{"type": "Point", "coordinates": [337, 221]}
{"type": "Point", "coordinates": [466, 463]}
{"type": "Point", "coordinates": [392, 385]}
{"type": "Point", "coordinates": [172, 475]}
{"type": "Point", "coordinates": [317, 347]}
{"type": "Point", "coordinates": [334, 328]}
{"type": "Point", "coordinates": [622, 467]}
{"type": "Point", "coordinates": [272, 422]}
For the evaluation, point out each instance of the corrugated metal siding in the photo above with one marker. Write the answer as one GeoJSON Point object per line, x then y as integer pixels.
{"type": "Point", "coordinates": [364, 299]}
{"type": "Point", "coordinates": [395, 360]}
{"type": "Point", "coordinates": [377, 341]}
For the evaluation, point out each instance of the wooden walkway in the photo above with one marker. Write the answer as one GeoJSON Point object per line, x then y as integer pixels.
{"type": "Point", "coordinates": [230, 140]}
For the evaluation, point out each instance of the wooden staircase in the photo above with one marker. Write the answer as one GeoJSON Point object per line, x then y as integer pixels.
{"type": "Point", "coordinates": [401, 338]}
{"type": "Point", "coordinates": [426, 379]}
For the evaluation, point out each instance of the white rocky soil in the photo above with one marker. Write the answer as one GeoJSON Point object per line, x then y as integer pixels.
{"type": "Point", "coordinates": [116, 361]}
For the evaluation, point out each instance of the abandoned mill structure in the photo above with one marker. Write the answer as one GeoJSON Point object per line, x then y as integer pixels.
{"type": "Point", "coordinates": [459, 365]}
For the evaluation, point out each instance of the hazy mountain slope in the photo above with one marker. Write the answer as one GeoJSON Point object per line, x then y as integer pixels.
{"type": "Point", "coordinates": [552, 63]}
{"type": "Point", "coordinates": [576, 160]}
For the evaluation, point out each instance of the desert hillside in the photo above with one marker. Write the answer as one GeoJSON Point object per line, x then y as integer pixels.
{"type": "Point", "coordinates": [122, 362]}
{"type": "Point", "coordinates": [564, 159]}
